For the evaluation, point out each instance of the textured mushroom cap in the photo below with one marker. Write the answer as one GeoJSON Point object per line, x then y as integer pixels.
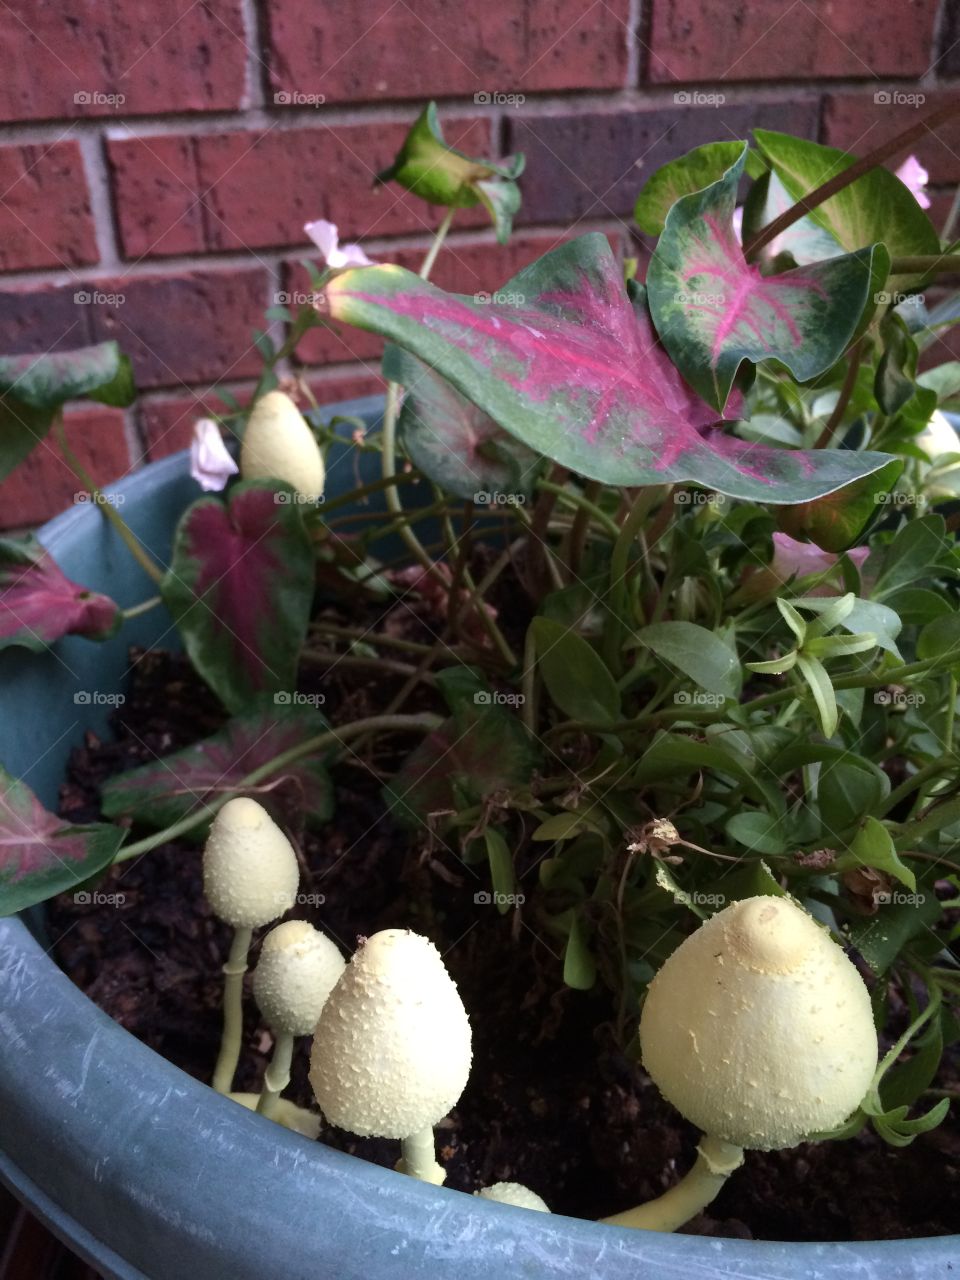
{"type": "Point", "coordinates": [279, 445]}
{"type": "Point", "coordinates": [391, 1053]}
{"type": "Point", "coordinates": [514, 1193]}
{"type": "Point", "coordinates": [298, 968]}
{"type": "Point", "coordinates": [758, 1028]}
{"type": "Point", "coordinates": [250, 871]}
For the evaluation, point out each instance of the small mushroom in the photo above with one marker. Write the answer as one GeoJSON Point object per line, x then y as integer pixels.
{"type": "Point", "coordinates": [298, 968]}
{"type": "Point", "coordinates": [250, 877]}
{"type": "Point", "coordinates": [279, 445]}
{"type": "Point", "coordinates": [514, 1193]}
{"type": "Point", "coordinates": [391, 1054]}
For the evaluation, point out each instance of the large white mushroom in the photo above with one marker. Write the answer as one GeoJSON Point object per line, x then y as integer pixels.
{"type": "Point", "coordinates": [759, 1030]}
{"type": "Point", "coordinates": [250, 877]}
{"type": "Point", "coordinates": [392, 1050]}
{"type": "Point", "coordinates": [279, 445]}
{"type": "Point", "coordinates": [298, 968]}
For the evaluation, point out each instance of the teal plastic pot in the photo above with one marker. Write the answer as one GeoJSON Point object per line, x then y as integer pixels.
{"type": "Point", "coordinates": [146, 1173]}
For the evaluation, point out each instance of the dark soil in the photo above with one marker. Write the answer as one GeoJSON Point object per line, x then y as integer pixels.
{"type": "Point", "coordinates": [552, 1101]}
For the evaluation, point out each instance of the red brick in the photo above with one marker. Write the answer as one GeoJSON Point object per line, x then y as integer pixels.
{"type": "Point", "coordinates": [461, 268]}
{"type": "Point", "coordinates": [592, 164]}
{"type": "Point", "coordinates": [194, 326]}
{"type": "Point", "coordinates": [168, 55]}
{"type": "Point", "coordinates": [371, 50]}
{"type": "Point", "coordinates": [44, 484]}
{"type": "Point", "coordinates": [707, 41]}
{"type": "Point", "coordinates": [168, 424]}
{"type": "Point", "coordinates": [255, 190]}
{"type": "Point", "coordinates": [948, 64]}
{"type": "Point", "coordinates": [858, 123]}
{"type": "Point", "coordinates": [346, 385]}
{"type": "Point", "coordinates": [45, 218]}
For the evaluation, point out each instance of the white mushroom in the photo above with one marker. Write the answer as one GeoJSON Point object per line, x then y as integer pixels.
{"type": "Point", "coordinates": [250, 876]}
{"type": "Point", "coordinates": [279, 445]}
{"type": "Point", "coordinates": [514, 1193]}
{"type": "Point", "coordinates": [298, 968]}
{"type": "Point", "coordinates": [391, 1054]}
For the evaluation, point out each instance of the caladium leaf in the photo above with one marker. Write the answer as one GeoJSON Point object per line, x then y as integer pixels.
{"type": "Point", "coordinates": [453, 442]}
{"type": "Point", "coordinates": [168, 789]}
{"type": "Point", "coordinates": [40, 854]}
{"type": "Point", "coordinates": [568, 362]}
{"type": "Point", "coordinates": [713, 310]}
{"type": "Point", "coordinates": [33, 387]}
{"type": "Point", "coordinates": [240, 588]}
{"type": "Point", "coordinates": [691, 172]}
{"type": "Point", "coordinates": [39, 604]}
{"type": "Point", "coordinates": [837, 521]}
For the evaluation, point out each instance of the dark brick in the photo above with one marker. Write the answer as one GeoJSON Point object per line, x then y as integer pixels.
{"type": "Point", "coordinates": [45, 218]}
{"type": "Point", "coordinates": [857, 122]}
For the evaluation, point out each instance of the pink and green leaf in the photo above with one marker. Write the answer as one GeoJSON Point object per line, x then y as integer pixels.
{"type": "Point", "coordinates": [240, 588]}
{"type": "Point", "coordinates": [40, 854]}
{"type": "Point", "coordinates": [568, 362]}
{"type": "Point", "coordinates": [39, 604]}
{"type": "Point", "coordinates": [168, 789]}
{"type": "Point", "coordinates": [714, 311]}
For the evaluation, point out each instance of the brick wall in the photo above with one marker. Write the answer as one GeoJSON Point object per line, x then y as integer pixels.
{"type": "Point", "coordinates": [158, 161]}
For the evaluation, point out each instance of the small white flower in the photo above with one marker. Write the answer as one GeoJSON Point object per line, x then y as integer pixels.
{"type": "Point", "coordinates": [915, 178]}
{"type": "Point", "coordinates": [210, 463]}
{"type": "Point", "coordinates": [327, 239]}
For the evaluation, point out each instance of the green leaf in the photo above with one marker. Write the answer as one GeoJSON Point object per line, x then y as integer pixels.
{"type": "Point", "coordinates": [579, 966]}
{"type": "Point", "coordinates": [502, 873]}
{"type": "Point", "coordinates": [876, 207]}
{"type": "Point", "coordinates": [576, 677]}
{"type": "Point", "coordinates": [821, 687]}
{"type": "Point", "coordinates": [757, 831]}
{"type": "Point", "coordinates": [698, 653]}
{"type": "Point", "coordinates": [672, 754]}
{"type": "Point", "coordinates": [941, 639]}
{"type": "Point", "coordinates": [895, 380]}
{"type": "Point", "coordinates": [914, 555]}
{"type": "Point", "coordinates": [882, 937]}
{"type": "Point", "coordinates": [713, 310]}
{"type": "Point", "coordinates": [848, 788]}
{"type": "Point", "coordinates": [40, 854]}
{"type": "Point", "coordinates": [836, 521]}
{"type": "Point", "coordinates": [873, 846]}
{"type": "Point", "coordinates": [697, 169]}
{"type": "Point", "coordinates": [904, 1083]}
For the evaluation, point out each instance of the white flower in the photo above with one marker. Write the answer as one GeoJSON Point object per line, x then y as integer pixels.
{"type": "Point", "coordinates": [327, 239]}
{"type": "Point", "coordinates": [915, 178]}
{"type": "Point", "coordinates": [210, 463]}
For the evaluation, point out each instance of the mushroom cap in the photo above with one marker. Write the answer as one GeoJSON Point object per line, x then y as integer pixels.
{"type": "Point", "coordinates": [279, 445]}
{"type": "Point", "coordinates": [298, 968]}
{"type": "Point", "coordinates": [514, 1193]}
{"type": "Point", "coordinates": [391, 1053]}
{"type": "Point", "coordinates": [758, 1028]}
{"type": "Point", "coordinates": [250, 871]}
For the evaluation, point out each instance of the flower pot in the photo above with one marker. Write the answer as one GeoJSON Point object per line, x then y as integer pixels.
{"type": "Point", "coordinates": [145, 1172]}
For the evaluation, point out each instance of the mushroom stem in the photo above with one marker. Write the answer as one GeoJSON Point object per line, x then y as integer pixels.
{"type": "Point", "coordinates": [277, 1076]}
{"type": "Point", "coordinates": [234, 970]}
{"type": "Point", "coordinates": [418, 1158]}
{"type": "Point", "coordinates": [716, 1160]}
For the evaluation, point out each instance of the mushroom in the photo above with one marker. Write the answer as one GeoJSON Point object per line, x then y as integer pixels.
{"type": "Point", "coordinates": [514, 1193]}
{"type": "Point", "coordinates": [759, 1030]}
{"type": "Point", "coordinates": [279, 445]}
{"type": "Point", "coordinates": [391, 1053]}
{"type": "Point", "coordinates": [298, 968]}
{"type": "Point", "coordinates": [250, 877]}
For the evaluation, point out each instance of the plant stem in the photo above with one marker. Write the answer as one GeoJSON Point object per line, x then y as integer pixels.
{"type": "Point", "coordinates": [854, 360]}
{"type": "Point", "coordinates": [277, 1075]}
{"type": "Point", "coordinates": [716, 1160]}
{"type": "Point", "coordinates": [234, 970]}
{"type": "Point", "coordinates": [375, 486]}
{"type": "Point", "coordinates": [422, 723]}
{"type": "Point", "coordinates": [419, 1158]}
{"type": "Point", "coordinates": [619, 596]}
{"type": "Point", "coordinates": [837, 183]}
{"type": "Point", "coordinates": [144, 606]}
{"type": "Point", "coordinates": [932, 770]}
{"type": "Point", "coordinates": [941, 263]}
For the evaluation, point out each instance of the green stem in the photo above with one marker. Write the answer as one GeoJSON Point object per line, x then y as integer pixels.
{"type": "Point", "coordinates": [234, 970]}
{"type": "Point", "coordinates": [584, 507]}
{"type": "Point", "coordinates": [854, 359]}
{"type": "Point", "coordinates": [932, 770]}
{"type": "Point", "coordinates": [422, 723]}
{"type": "Point", "coordinates": [942, 262]}
{"type": "Point", "coordinates": [619, 596]}
{"type": "Point", "coordinates": [715, 1162]}
{"type": "Point", "coordinates": [375, 486]}
{"type": "Point", "coordinates": [419, 1158]}
{"type": "Point", "coordinates": [277, 1075]}
{"type": "Point", "coordinates": [144, 606]}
